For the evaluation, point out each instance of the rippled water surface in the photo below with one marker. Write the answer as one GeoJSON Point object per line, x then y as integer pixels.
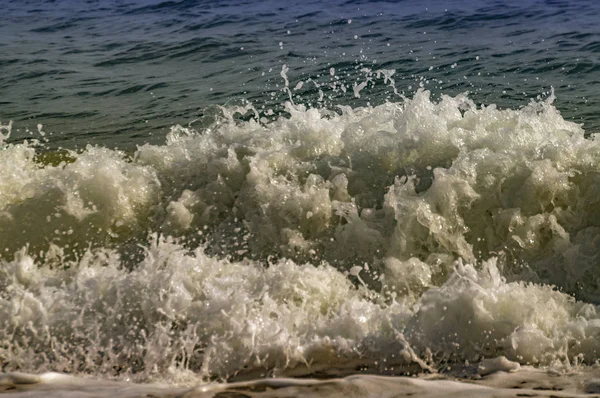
{"type": "Point", "coordinates": [121, 72]}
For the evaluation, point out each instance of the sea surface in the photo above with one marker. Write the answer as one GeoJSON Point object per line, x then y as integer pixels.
{"type": "Point", "coordinates": [201, 191]}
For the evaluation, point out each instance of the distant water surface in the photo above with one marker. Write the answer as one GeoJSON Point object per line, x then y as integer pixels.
{"type": "Point", "coordinates": [120, 73]}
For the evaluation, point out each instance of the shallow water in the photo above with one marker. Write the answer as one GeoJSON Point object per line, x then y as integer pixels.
{"type": "Point", "coordinates": [322, 202]}
{"type": "Point", "coordinates": [526, 383]}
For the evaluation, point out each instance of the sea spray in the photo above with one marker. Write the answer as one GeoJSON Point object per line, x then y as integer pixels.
{"type": "Point", "coordinates": [318, 241]}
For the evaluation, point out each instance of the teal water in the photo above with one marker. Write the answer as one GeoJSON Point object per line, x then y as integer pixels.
{"type": "Point", "coordinates": [120, 73]}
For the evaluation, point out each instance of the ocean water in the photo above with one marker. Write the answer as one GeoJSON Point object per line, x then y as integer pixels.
{"type": "Point", "coordinates": [213, 191]}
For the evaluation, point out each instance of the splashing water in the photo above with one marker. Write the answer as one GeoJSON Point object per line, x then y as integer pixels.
{"type": "Point", "coordinates": [395, 238]}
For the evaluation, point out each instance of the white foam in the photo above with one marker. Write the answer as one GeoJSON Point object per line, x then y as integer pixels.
{"type": "Point", "coordinates": [499, 364]}
{"type": "Point", "coordinates": [393, 238]}
{"type": "Point", "coordinates": [525, 383]}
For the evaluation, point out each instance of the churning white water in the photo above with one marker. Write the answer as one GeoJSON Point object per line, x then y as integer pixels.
{"type": "Point", "coordinates": [405, 237]}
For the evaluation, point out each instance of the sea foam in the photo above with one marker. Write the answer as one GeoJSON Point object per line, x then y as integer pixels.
{"type": "Point", "coordinates": [395, 238]}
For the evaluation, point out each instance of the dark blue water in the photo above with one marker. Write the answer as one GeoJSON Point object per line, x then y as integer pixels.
{"type": "Point", "coordinates": [120, 73]}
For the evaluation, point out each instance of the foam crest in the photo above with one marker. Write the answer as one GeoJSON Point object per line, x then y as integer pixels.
{"type": "Point", "coordinates": [393, 237]}
{"type": "Point", "coordinates": [93, 200]}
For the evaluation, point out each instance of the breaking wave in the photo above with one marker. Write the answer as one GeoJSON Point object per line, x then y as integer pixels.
{"type": "Point", "coordinates": [394, 238]}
